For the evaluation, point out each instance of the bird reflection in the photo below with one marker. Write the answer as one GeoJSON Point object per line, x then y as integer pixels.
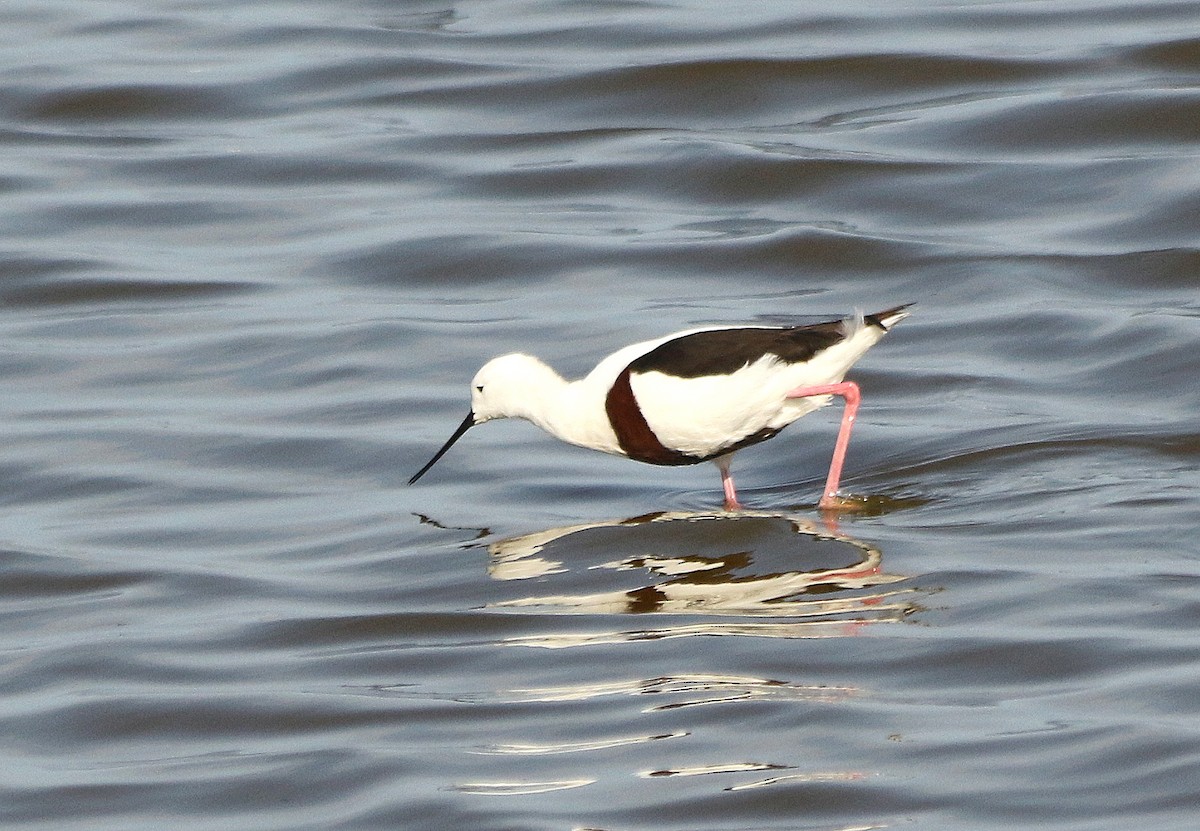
{"type": "Point", "coordinates": [809, 580]}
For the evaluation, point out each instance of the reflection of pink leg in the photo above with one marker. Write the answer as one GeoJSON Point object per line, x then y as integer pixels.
{"type": "Point", "coordinates": [849, 391]}
{"type": "Point", "coordinates": [731, 501]}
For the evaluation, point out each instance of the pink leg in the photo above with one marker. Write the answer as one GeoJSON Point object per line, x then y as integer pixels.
{"type": "Point", "coordinates": [731, 500]}
{"type": "Point", "coordinates": [849, 391]}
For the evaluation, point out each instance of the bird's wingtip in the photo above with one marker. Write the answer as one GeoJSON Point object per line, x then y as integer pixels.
{"type": "Point", "coordinates": [888, 318]}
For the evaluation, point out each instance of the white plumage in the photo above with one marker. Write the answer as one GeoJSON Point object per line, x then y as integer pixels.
{"type": "Point", "coordinates": [693, 396]}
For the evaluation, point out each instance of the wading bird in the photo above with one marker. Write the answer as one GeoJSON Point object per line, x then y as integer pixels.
{"type": "Point", "coordinates": [690, 397]}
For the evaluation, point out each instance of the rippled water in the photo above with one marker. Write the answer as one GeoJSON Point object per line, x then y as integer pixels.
{"type": "Point", "coordinates": [252, 254]}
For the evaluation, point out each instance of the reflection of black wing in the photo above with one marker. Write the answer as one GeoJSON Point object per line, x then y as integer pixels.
{"type": "Point", "coordinates": [724, 351]}
{"type": "Point", "coordinates": [781, 574]}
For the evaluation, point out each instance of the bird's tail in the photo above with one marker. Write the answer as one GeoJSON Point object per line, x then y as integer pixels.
{"type": "Point", "coordinates": [887, 319]}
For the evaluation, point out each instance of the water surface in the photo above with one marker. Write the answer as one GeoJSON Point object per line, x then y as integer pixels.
{"type": "Point", "coordinates": [254, 253]}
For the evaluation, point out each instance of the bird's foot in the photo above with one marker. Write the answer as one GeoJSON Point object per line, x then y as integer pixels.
{"type": "Point", "coordinates": [732, 505]}
{"type": "Point", "coordinates": [843, 503]}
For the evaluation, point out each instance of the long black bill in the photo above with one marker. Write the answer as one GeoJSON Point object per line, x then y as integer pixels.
{"type": "Point", "coordinates": [467, 424]}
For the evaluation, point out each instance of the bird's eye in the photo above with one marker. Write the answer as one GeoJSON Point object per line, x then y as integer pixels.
{"type": "Point", "coordinates": [479, 388]}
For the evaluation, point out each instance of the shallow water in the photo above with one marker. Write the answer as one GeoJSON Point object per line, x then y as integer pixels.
{"type": "Point", "coordinates": [254, 253]}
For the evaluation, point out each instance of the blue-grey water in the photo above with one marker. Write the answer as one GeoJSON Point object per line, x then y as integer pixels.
{"type": "Point", "coordinates": [252, 253]}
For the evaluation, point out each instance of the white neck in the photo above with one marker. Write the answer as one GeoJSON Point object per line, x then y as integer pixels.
{"type": "Point", "coordinates": [521, 386]}
{"type": "Point", "coordinates": [574, 413]}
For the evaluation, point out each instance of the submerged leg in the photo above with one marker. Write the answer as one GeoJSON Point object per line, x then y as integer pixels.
{"type": "Point", "coordinates": [731, 501]}
{"type": "Point", "coordinates": [849, 391]}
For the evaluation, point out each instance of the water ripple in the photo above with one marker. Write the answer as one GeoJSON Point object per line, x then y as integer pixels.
{"type": "Point", "coordinates": [254, 252]}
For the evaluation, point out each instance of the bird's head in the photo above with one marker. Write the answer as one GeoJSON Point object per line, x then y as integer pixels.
{"type": "Point", "coordinates": [505, 387]}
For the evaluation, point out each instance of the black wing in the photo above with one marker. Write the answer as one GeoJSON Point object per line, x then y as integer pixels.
{"type": "Point", "coordinates": [724, 351]}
